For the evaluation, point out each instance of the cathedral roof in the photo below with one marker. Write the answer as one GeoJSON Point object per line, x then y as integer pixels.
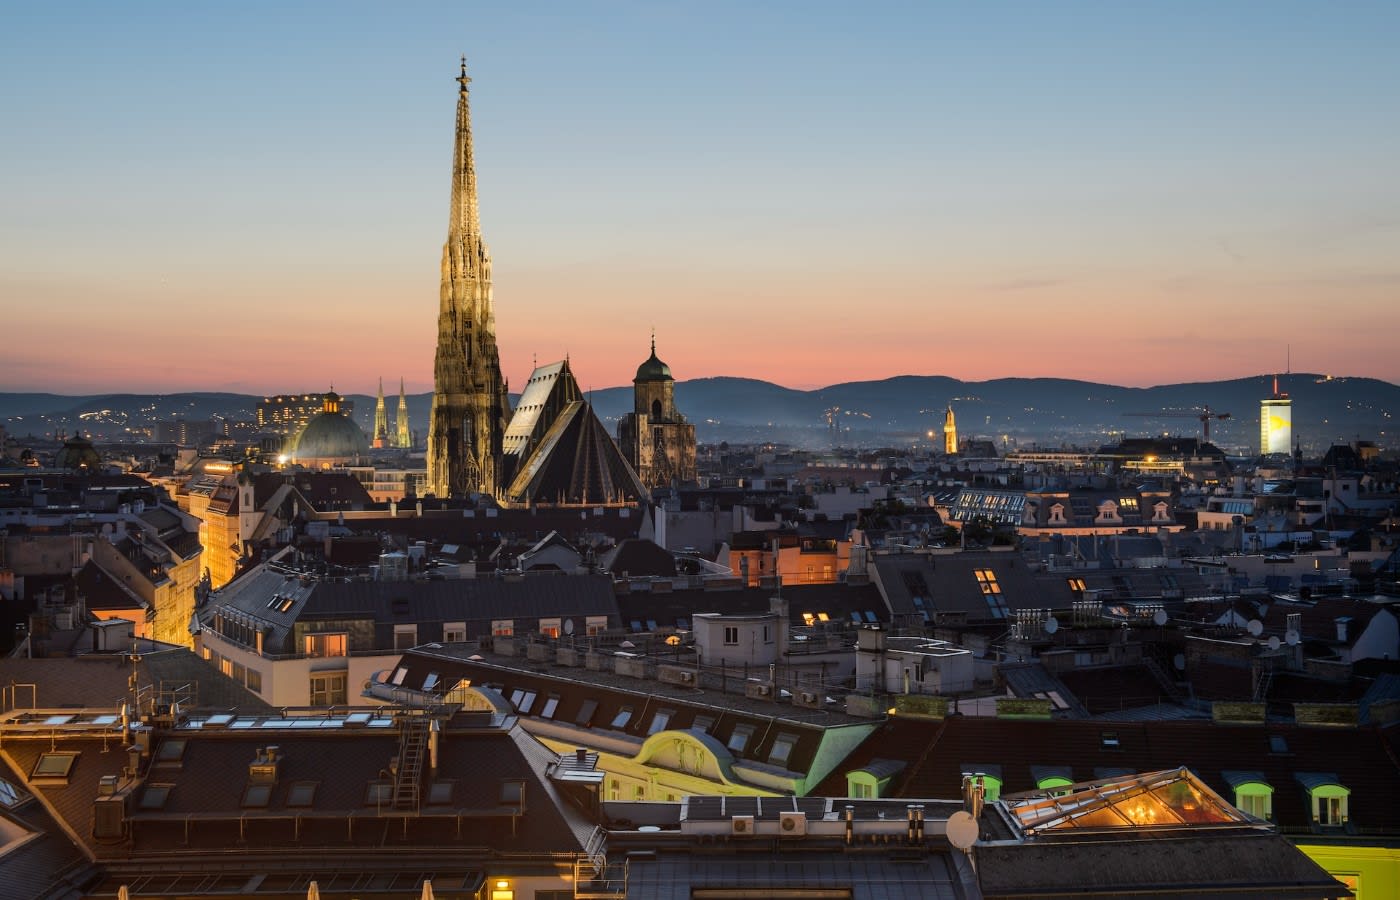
{"type": "Point", "coordinates": [77, 453]}
{"type": "Point", "coordinates": [576, 463]}
{"type": "Point", "coordinates": [330, 435]}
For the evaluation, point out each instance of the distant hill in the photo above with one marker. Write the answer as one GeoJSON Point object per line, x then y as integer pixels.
{"type": "Point", "coordinates": [894, 411]}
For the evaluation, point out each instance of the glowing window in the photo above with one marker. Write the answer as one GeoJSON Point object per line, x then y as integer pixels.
{"type": "Point", "coordinates": [322, 645]}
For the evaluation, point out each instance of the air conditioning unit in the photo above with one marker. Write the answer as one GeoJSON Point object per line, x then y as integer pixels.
{"type": "Point", "coordinates": [741, 825]}
{"type": "Point", "coordinates": [792, 823]}
{"type": "Point", "coordinates": [809, 697]}
{"type": "Point", "coordinates": [765, 690]}
{"type": "Point", "coordinates": [687, 677]}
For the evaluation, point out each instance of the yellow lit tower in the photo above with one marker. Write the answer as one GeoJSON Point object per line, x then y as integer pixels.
{"type": "Point", "coordinates": [950, 433]}
{"type": "Point", "coordinates": [470, 405]}
{"type": "Point", "coordinates": [1276, 423]}
{"type": "Point", "coordinates": [381, 421]}
{"type": "Point", "coordinates": [403, 439]}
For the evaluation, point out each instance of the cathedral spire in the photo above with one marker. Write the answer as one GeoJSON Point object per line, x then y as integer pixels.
{"type": "Point", "coordinates": [381, 420]}
{"type": "Point", "coordinates": [470, 405]}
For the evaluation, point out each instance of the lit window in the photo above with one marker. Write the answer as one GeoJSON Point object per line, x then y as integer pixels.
{"type": "Point", "coordinates": [1077, 585]}
{"type": "Point", "coordinates": [987, 580]}
{"type": "Point", "coordinates": [549, 627]}
{"type": "Point", "coordinates": [502, 627]}
{"type": "Point", "coordinates": [322, 645]}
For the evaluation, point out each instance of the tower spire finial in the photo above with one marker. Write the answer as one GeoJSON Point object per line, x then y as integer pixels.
{"type": "Point", "coordinates": [653, 340]}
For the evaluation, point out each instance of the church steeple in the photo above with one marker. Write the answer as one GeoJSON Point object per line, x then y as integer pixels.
{"type": "Point", "coordinates": [470, 404]}
{"type": "Point", "coordinates": [403, 438]}
{"type": "Point", "coordinates": [381, 420]}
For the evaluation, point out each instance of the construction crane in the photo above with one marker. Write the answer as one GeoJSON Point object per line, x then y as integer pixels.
{"type": "Point", "coordinates": [1205, 416]}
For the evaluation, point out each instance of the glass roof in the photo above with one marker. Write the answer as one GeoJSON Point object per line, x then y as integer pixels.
{"type": "Point", "coordinates": [1171, 798]}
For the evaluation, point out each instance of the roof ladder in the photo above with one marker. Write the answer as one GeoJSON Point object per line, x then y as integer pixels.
{"type": "Point", "coordinates": [413, 746]}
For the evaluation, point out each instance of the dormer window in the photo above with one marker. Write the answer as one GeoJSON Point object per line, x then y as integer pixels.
{"type": "Point", "coordinates": [1327, 798]}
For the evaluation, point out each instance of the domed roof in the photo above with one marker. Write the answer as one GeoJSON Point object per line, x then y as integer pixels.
{"type": "Point", "coordinates": [77, 453]}
{"type": "Point", "coordinates": [330, 435]}
{"type": "Point", "coordinates": [653, 369]}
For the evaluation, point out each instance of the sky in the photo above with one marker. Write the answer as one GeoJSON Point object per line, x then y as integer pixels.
{"type": "Point", "coordinates": [253, 197]}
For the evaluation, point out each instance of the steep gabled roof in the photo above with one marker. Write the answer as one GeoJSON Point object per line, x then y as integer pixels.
{"type": "Point", "coordinates": [576, 464]}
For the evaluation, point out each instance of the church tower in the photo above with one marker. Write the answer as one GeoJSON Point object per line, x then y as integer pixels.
{"type": "Point", "coordinates": [655, 438]}
{"type": "Point", "coordinates": [470, 404]}
{"type": "Point", "coordinates": [381, 421]}
{"type": "Point", "coordinates": [950, 433]}
{"type": "Point", "coordinates": [403, 439]}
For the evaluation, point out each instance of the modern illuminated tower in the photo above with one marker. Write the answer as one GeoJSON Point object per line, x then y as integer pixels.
{"type": "Point", "coordinates": [404, 438]}
{"type": "Point", "coordinates": [381, 421]}
{"type": "Point", "coordinates": [1276, 423]}
{"type": "Point", "coordinates": [470, 404]}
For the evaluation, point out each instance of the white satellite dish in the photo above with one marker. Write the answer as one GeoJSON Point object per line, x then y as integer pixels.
{"type": "Point", "coordinates": [1255, 627]}
{"type": "Point", "coordinates": [1159, 617]}
{"type": "Point", "coordinates": [1052, 625]}
{"type": "Point", "coordinates": [1291, 637]}
{"type": "Point", "coordinates": [1274, 642]}
{"type": "Point", "coordinates": [962, 830]}
{"type": "Point", "coordinates": [1179, 662]}
{"type": "Point", "coordinates": [568, 626]}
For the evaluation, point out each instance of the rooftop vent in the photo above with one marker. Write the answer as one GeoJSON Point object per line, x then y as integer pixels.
{"type": "Point", "coordinates": [263, 768]}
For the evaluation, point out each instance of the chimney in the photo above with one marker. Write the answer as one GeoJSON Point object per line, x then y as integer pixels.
{"type": "Point", "coordinates": [850, 825]}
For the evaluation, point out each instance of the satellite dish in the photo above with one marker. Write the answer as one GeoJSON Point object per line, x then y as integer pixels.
{"type": "Point", "coordinates": [962, 830]}
{"type": "Point", "coordinates": [1159, 617]}
{"type": "Point", "coordinates": [568, 626]}
{"type": "Point", "coordinates": [1052, 625]}
{"type": "Point", "coordinates": [1179, 662]}
{"type": "Point", "coordinates": [1274, 642]}
{"type": "Point", "coordinates": [1255, 627]}
{"type": "Point", "coordinates": [1291, 637]}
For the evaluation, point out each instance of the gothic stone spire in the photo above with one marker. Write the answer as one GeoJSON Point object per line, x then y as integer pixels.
{"type": "Point", "coordinates": [470, 405]}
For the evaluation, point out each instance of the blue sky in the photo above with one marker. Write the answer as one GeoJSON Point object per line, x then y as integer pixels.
{"type": "Point", "coordinates": [254, 197]}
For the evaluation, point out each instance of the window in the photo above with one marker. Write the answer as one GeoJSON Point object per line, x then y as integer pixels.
{"type": "Point", "coordinates": [454, 632]}
{"type": "Point", "coordinates": [322, 645]}
{"type": "Point", "coordinates": [398, 677]}
{"type": "Point", "coordinates": [731, 635]}
{"type": "Point", "coordinates": [502, 627]}
{"type": "Point", "coordinates": [405, 637]}
{"type": "Point", "coordinates": [11, 796]}
{"type": "Point", "coordinates": [585, 715]}
{"type": "Point", "coordinates": [257, 795]}
{"type": "Point", "coordinates": [739, 738]}
{"type": "Point", "coordinates": [623, 716]}
{"type": "Point", "coordinates": [440, 794]}
{"type": "Point", "coordinates": [255, 681]}
{"type": "Point", "coordinates": [1109, 740]}
{"type": "Point", "coordinates": [377, 793]}
{"type": "Point", "coordinates": [1331, 810]}
{"type": "Point", "coordinates": [55, 765]}
{"type": "Point", "coordinates": [171, 751]}
{"type": "Point", "coordinates": [301, 793]}
{"type": "Point", "coordinates": [526, 701]}
{"type": "Point", "coordinates": [1256, 800]}
{"type": "Point", "coordinates": [549, 628]}
{"type": "Point", "coordinates": [431, 681]}
{"type": "Point", "coordinates": [782, 749]}
{"type": "Point", "coordinates": [991, 591]}
{"type": "Point", "coordinates": [550, 705]}
{"type": "Point", "coordinates": [1077, 585]}
{"type": "Point", "coordinates": [703, 723]}
{"type": "Point", "coordinates": [660, 720]}
{"type": "Point", "coordinates": [155, 795]}
{"type": "Point", "coordinates": [861, 790]}
{"type": "Point", "coordinates": [767, 634]}
{"type": "Point", "coordinates": [596, 625]}
{"type": "Point", "coordinates": [328, 689]}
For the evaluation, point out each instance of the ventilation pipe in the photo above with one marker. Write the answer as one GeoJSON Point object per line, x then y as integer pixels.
{"type": "Point", "coordinates": [850, 825]}
{"type": "Point", "coordinates": [434, 739]}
